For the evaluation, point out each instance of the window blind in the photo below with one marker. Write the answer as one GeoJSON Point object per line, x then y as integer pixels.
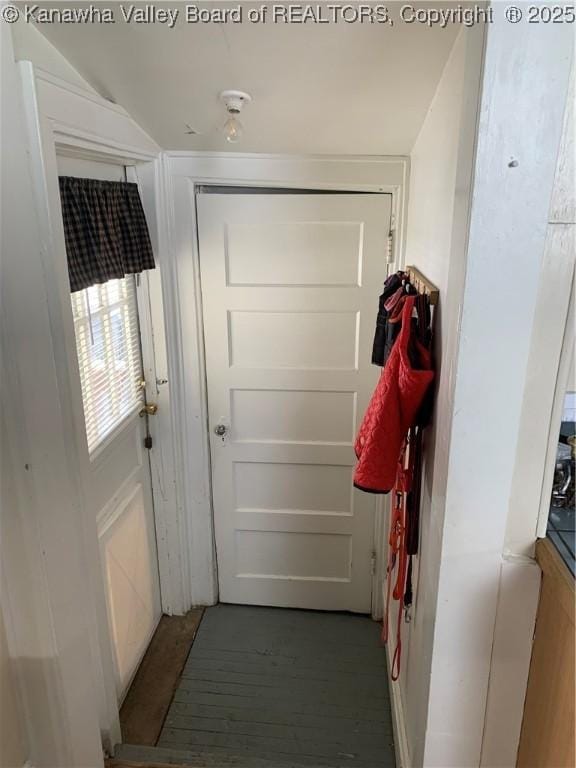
{"type": "Point", "coordinates": [108, 347]}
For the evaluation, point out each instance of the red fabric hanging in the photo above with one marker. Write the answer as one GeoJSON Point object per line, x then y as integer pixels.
{"type": "Point", "coordinates": [398, 553]}
{"type": "Point", "coordinates": [392, 410]}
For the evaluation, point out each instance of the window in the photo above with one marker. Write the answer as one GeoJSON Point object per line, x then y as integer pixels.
{"type": "Point", "coordinates": [561, 528]}
{"type": "Point", "coordinates": [108, 346]}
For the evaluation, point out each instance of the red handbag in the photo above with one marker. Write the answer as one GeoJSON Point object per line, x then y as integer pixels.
{"type": "Point", "coordinates": [392, 409]}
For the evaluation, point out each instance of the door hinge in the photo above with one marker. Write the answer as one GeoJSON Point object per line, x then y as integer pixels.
{"type": "Point", "coordinates": [148, 442]}
{"type": "Point", "coordinates": [390, 253]}
{"type": "Point", "coordinates": [373, 562]}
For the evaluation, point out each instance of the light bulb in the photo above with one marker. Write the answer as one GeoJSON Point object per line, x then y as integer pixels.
{"type": "Point", "coordinates": [233, 129]}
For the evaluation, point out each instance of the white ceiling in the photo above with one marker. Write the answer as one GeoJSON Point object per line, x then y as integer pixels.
{"type": "Point", "coordinates": [316, 88]}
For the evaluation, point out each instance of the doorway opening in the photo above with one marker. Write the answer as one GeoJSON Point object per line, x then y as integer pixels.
{"type": "Point", "coordinates": [107, 318]}
{"type": "Point", "coordinates": [289, 285]}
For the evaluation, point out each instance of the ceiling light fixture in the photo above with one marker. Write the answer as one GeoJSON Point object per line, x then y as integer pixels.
{"type": "Point", "coordinates": [234, 101]}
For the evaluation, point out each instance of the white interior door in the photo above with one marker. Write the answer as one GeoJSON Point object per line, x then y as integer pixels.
{"type": "Point", "coordinates": [290, 286]}
{"type": "Point", "coordinates": [106, 320]}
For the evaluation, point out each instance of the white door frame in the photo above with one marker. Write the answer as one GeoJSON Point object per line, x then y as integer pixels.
{"type": "Point", "coordinates": [65, 119]}
{"type": "Point", "coordinates": [182, 173]}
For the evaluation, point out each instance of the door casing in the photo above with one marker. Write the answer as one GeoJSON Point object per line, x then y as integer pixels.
{"type": "Point", "coordinates": [182, 174]}
{"type": "Point", "coordinates": [67, 120]}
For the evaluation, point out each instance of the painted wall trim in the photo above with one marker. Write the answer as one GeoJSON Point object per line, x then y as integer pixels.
{"type": "Point", "coordinates": [60, 89]}
{"type": "Point", "coordinates": [252, 156]}
{"type": "Point", "coordinates": [188, 395]}
{"type": "Point", "coordinates": [85, 93]}
{"type": "Point", "coordinates": [87, 144]}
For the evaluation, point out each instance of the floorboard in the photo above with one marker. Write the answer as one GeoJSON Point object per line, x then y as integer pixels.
{"type": "Point", "coordinates": [144, 709]}
{"type": "Point", "coordinates": [113, 763]}
{"type": "Point", "coordinates": [267, 686]}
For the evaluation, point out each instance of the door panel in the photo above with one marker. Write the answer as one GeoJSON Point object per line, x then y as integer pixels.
{"type": "Point", "coordinates": [290, 287]}
{"type": "Point", "coordinates": [120, 495]}
{"type": "Point", "coordinates": [292, 416]}
{"type": "Point", "coordinates": [129, 565]}
{"type": "Point", "coordinates": [299, 253]}
{"type": "Point", "coordinates": [293, 339]}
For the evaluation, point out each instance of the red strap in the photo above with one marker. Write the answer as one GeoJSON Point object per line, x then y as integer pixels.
{"type": "Point", "coordinates": [398, 556]}
{"type": "Point", "coordinates": [389, 570]}
{"type": "Point", "coordinates": [397, 658]}
{"type": "Point", "coordinates": [394, 549]}
{"type": "Point", "coordinates": [398, 592]}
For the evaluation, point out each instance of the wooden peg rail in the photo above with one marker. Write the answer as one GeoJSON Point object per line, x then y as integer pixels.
{"type": "Point", "coordinates": [422, 284]}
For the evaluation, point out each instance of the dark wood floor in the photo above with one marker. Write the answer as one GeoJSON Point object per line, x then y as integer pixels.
{"type": "Point", "coordinates": [283, 687]}
{"type": "Point", "coordinates": [146, 704]}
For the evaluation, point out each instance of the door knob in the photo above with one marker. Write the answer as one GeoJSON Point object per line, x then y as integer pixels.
{"type": "Point", "coordinates": [220, 430]}
{"type": "Point", "coordinates": [149, 409]}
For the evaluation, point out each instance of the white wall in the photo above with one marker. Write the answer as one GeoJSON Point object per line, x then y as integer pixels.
{"type": "Point", "coordinates": [13, 752]}
{"type": "Point", "coordinates": [440, 183]}
{"type": "Point", "coordinates": [13, 746]}
{"type": "Point", "coordinates": [547, 377]}
{"type": "Point", "coordinates": [43, 582]}
{"type": "Point", "coordinates": [550, 347]}
{"type": "Point", "coordinates": [526, 72]}
{"type": "Point", "coordinates": [551, 350]}
{"type": "Point", "coordinates": [31, 45]}
{"type": "Point", "coordinates": [468, 647]}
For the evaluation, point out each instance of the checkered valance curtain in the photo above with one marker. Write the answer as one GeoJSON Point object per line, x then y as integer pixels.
{"type": "Point", "coordinates": [105, 230]}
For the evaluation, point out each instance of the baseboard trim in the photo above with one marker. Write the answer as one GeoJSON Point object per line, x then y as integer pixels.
{"type": "Point", "coordinates": [398, 721]}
